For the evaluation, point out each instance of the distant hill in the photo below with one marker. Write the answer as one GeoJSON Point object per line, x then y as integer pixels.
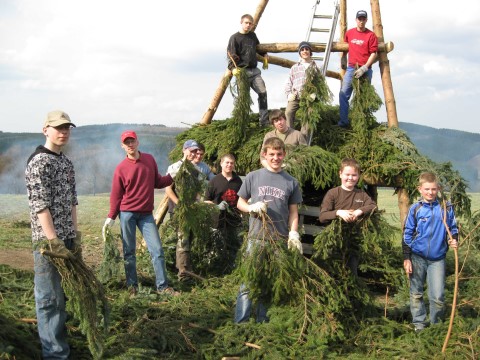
{"type": "Point", "coordinates": [461, 148]}
{"type": "Point", "coordinates": [95, 151]}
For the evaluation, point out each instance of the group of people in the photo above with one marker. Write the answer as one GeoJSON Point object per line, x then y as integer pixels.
{"type": "Point", "coordinates": [51, 187]}
{"type": "Point", "coordinates": [362, 54]}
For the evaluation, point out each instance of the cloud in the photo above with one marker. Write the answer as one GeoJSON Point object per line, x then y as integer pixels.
{"type": "Point", "coordinates": [161, 62]}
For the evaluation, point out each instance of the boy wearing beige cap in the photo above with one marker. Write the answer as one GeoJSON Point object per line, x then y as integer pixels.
{"type": "Point", "coordinates": [52, 196]}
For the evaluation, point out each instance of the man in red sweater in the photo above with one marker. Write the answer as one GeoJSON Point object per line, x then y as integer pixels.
{"type": "Point", "coordinates": [132, 199]}
{"type": "Point", "coordinates": [362, 53]}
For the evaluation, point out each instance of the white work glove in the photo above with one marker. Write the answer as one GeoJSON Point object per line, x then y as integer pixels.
{"type": "Point", "coordinates": [108, 223]}
{"type": "Point", "coordinates": [173, 173]}
{"type": "Point", "coordinates": [294, 241]}
{"type": "Point", "coordinates": [291, 97]}
{"type": "Point", "coordinates": [312, 96]}
{"type": "Point", "coordinates": [258, 208]}
{"type": "Point", "coordinates": [360, 71]}
{"type": "Point", "coordinates": [222, 206]}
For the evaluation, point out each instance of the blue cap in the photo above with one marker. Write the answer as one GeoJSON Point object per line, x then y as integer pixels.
{"type": "Point", "coordinates": [190, 144]}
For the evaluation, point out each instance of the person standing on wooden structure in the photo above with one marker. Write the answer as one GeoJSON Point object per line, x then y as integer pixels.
{"type": "Point", "coordinates": [362, 53]}
{"type": "Point", "coordinates": [295, 82]}
{"type": "Point", "coordinates": [242, 53]}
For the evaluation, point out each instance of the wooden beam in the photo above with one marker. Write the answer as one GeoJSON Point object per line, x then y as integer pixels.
{"type": "Point", "coordinates": [384, 64]}
{"type": "Point", "coordinates": [343, 31]}
{"type": "Point", "coordinates": [316, 47]}
{"type": "Point", "coordinates": [286, 63]}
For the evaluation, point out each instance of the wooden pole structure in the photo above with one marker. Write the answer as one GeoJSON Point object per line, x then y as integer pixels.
{"type": "Point", "coordinates": [384, 67]}
{"type": "Point", "coordinates": [225, 81]}
{"type": "Point", "coordinates": [343, 30]}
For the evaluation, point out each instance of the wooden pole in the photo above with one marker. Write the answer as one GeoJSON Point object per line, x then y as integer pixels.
{"type": "Point", "coordinates": [343, 30]}
{"type": "Point", "coordinates": [384, 67]}
{"type": "Point", "coordinates": [222, 87]}
{"type": "Point", "coordinates": [336, 47]}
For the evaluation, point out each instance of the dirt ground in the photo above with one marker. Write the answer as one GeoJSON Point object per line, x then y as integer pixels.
{"type": "Point", "coordinates": [22, 259]}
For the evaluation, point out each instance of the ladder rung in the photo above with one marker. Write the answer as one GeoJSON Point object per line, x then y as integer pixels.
{"type": "Point", "coordinates": [320, 30]}
{"type": "Point", "coordinates": [322, 16]}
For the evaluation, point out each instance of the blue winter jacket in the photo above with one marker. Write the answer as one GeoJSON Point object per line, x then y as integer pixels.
{"type": "Point", "coordinates": [425, 234]}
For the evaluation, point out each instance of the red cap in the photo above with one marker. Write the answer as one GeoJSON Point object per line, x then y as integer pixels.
{"type": "Point", "coordinates": [128, 134]}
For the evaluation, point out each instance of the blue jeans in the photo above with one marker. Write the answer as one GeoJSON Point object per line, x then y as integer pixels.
{"type": "Point", "coordinates": [346, 92]}
{"type": "Point", "coordinates": [243, 307]}
{"type": "Point", "coordinates": [146, 223]}
{"type": "Point", "coordinates": [50, 308]}
{"type": "Point", "coordinates": [258, 85]}
{"type": "Point", "coordinates": [434, 273]}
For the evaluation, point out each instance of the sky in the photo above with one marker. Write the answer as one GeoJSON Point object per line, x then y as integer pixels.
{"type": "Point", "coordinates": [157, 62]}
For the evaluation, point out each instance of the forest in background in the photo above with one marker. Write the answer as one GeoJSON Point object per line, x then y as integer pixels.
{"type": "Point", "coordinates": [95, 151]}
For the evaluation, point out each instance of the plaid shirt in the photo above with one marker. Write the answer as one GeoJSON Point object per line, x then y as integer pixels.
{"type": "Point", "coordinates": [297, 78]}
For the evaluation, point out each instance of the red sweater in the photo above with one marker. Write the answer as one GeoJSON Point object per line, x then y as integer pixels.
{"type": "Point", "coordinates": [133, 185]}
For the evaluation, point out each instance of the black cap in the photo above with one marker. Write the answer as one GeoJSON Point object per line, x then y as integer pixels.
{"type": "Point", "coordinates": [362, 13]}
{"type": "Point", "coordinates": [304, 44]}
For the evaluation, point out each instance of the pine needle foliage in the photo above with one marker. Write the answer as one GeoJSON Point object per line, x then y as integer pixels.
{"type": "Point", "coordinates": [312, 164]}
{"type": "Point", "coordinates": [240, 90]}
{"type": "Point", "coordinates": [277, 276]}
{"type": "Point", "coordinates": [110, 269]}
{"type": "Point", "coordinates": [313, 98]}
{"type": "Point", "coordinates": [86, 300]}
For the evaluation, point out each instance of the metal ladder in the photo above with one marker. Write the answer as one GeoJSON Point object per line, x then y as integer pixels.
{"type": "Point", "coordinates": [325, 26]}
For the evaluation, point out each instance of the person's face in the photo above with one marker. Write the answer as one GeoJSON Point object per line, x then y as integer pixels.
{"type": "Point", "coordinates": [428, 191]}
{"type": "Point", "coordinates": [247, 25]}
{"type": "Point", "coordinates": [305, 53]}
{"type": "Point", "coordinates": [227, 165]}
{"type": "Point", "coordinates": [189, 154]}
{"type": "Point", "coordinates": [58, 135]}
{"type": "Point", "coordinates": [349, 176]}
{"type": "Point", "coordinates": [280, 124]}
{"type": "Point", "coordinates": [130, 145]}
{"type": "Point", "coordinates": [274, 159]}
{"type": "Point", "coordinates": [198, 156]}
{"type": "Point", "coordinates": [361, 22]}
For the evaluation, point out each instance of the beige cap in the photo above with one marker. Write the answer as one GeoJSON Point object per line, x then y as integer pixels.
{"type": "Point", "coordinates": [57, 118]}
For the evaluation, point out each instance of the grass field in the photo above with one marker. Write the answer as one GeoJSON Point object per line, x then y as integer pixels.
{"type": "Point", "coordinates": [198, 324]}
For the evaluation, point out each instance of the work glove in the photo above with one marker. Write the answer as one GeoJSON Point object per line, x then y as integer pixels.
{"type": "Point", "coordinates": [236, 72]}
{"type": "Point", "coordinates": [108, 223]}
{"type": "Point", "coordinates": [172, 173]}
{"type": "Point", "coordinates": [265, 63]}
{"type": "Point", "coordinates": [291, 97]}
{"type": "Point", "coordinates": [56, 249]}
{"type": "Point", "coordinates": [312, 96]}
{"type": "Point", "coordinates": [222, 206]}
{"type": "Point", "coordinates": [258, 208]}
{"type": "Point", "coordinates": [77, 245]}
{"type": "Point", "coordinates": [294, 241]}
{"type": "Point", "coordinates": [360, 71]}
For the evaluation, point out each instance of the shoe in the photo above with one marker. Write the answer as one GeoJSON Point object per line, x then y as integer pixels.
{"type": "Point", "coordinates": [168, 291]}
{"type": "Point", "coordinates": [419, 329]}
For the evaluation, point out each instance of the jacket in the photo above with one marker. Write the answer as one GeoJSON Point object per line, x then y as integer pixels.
{"type": "Point", "coordinates": [424, 232]}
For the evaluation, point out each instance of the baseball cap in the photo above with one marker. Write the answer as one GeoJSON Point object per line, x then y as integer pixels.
{"type": "Point", "coordinates": [362, 13]}
{"type": "Point", "coordinates": [128, 134]}
{"type": "Point", "coordinates": [190, 144]}
{"type": "Point", "coordinates": [57, 118]}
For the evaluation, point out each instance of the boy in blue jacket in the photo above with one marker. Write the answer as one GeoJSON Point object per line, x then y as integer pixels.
{"type": "Point", "coordinates": [425, 245]}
